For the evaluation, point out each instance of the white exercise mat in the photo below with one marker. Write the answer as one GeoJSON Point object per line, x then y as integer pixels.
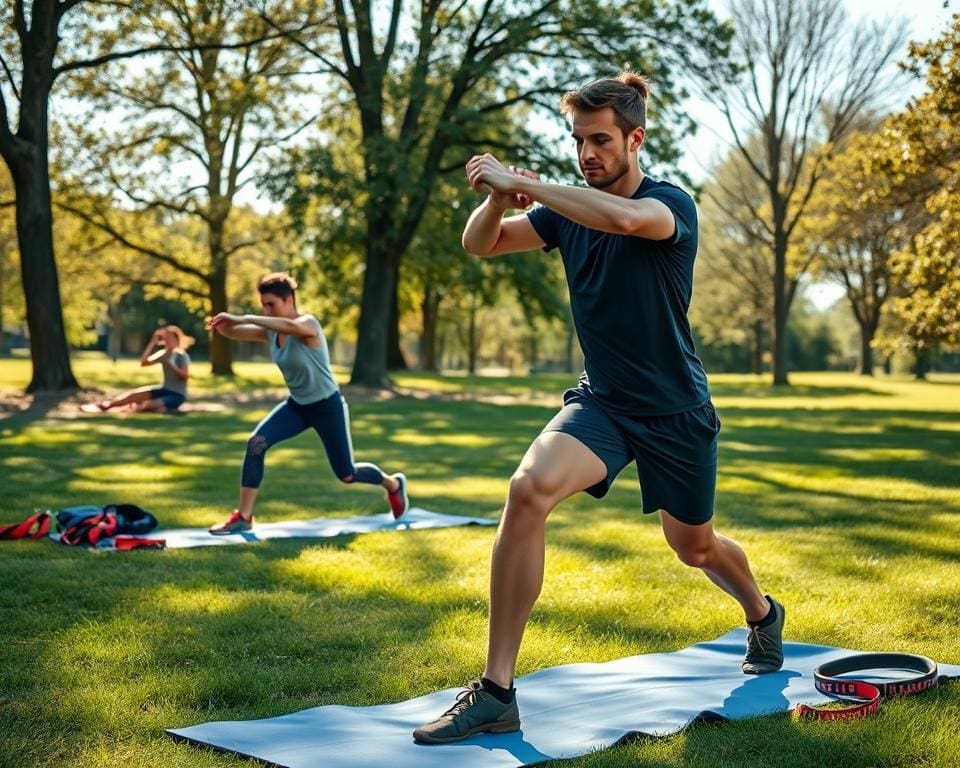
{"type": "Point", "coordinates": [322, 527]}
{"type": "Point", "coordinates": [565, 711]}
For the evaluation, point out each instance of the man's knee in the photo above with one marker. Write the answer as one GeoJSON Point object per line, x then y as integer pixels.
{"type": "Point", "coordinates": [531, 493]}
{"type": "Point", "coordinates": [692, 553]}
{"type": "Point", "coordinates": [346, 479]}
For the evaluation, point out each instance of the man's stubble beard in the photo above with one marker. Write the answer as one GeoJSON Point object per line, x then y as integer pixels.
{"type": "Point", "coordinates": [622, 169]}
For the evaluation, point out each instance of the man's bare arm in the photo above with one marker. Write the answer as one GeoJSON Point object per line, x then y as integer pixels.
{"type": "Point", "coordinates": [599, 210]}
{"type": "Point", "coordinates": [489, 234]}
{"type": "Point", "coordinates": [591, 208]}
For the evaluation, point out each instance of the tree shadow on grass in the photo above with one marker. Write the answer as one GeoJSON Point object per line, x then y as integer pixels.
{"type": "Point", "coordinates": [863, 444]}
{"type": "Point", "coordinates": [19, 412]}
{"type": "Point", "coordinates": [764, 390]}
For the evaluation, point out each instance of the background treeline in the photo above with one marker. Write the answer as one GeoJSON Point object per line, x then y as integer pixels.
{"type": "Point", "coordinates": [160, 154]}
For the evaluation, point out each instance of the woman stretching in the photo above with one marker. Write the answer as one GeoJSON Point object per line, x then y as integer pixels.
{"type": "Point", "coordinates": [176, 370]}
{"type": "Point", "coordinates": [298, 347]}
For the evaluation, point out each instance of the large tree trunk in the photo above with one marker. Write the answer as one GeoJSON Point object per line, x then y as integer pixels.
{"type": "Point", "coordinates": [866, 350]}
{"type": "Point", "coordinates": [756, 363]}
{"type": "Point", "coordinates": [395, 358]}
{"type": "Point", "coordinates": [115, 340]}
{"type": "Point", "coordinates": [921, 365]}
{"type": "Point", "coordinates": [781, 310]}
{"type": "Point", "coordinates": [221, 353]}
{"type": "Point", "coordinates": [472, 343]}
{"type": "Point", "coordinates": [370, 365]}
{"type": "Point", "coordinates": [26, 155]}
{"type": "Point", "coordinates": [430, 313]}
{"type": "Point", "coordinates": [38, 268]}
{"type": "Point", "coordinates": [3, 274]}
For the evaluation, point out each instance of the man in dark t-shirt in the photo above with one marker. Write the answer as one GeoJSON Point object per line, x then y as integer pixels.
{"type": "Point", "coordinates": [628, 244]}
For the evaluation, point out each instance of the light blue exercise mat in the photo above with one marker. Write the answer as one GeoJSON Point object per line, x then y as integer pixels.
{"type": "Point", "coordinates": [565, 711]}
{"type": "Point", "coordinates": [414, 519]}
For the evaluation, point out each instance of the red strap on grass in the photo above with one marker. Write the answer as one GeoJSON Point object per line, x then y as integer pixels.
{"type": "Point", "coordinates": [133, 542]}
{"type": "Point", "coordinates": [34, 527]}
{"type": "Point", "coordinates": [90, 530]}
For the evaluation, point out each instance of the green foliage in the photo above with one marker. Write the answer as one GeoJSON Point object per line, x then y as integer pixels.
{"type": "Point", "coordinates": [170, 142]}
{"type": "Point", "coordinates": [908, 174]}
{"type": "Point", "coordinates": [458, 78]}
{"type": "Point", "coordinates": [921, 154]}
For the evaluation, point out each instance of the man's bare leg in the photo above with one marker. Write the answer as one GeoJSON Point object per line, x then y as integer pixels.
{"type": "Point", "coordinates": [725, 564]}
{"type": "Point", "coordinates": [555, 466]}
{"type": "Point", "coordinates": [720, 558]}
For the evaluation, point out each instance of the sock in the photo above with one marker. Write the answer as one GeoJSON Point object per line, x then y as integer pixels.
{"type": "Point", "coordinates": [501, 694]}
{"type": "Point", "coordinates": [771, 616]}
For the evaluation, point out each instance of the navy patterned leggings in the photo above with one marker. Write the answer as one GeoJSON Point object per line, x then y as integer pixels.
{"type": "Point", "coordinates": [331, 420]}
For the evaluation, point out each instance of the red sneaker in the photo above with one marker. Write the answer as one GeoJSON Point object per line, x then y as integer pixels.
{"type": "Point", "coordinates": [399, 503]}
{"type": "Point", "coordinates": [236, 523]}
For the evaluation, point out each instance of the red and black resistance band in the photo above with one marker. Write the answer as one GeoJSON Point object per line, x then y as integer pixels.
{"type": "Point", "coordinates": [34, 527]}
{"type": "Point", "coordinates": [88, 531]}
{"type": "Point", "coordinates": [868, 694]}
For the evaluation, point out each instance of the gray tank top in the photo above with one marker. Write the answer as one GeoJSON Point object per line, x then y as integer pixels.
{"type": "Point", "coordinates": [170, 379]}
{"type": "Point", "coordinates": [306, 369]}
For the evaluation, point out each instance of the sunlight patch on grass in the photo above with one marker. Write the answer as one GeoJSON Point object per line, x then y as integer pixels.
{"type": "Point", "coordinates": [877, 454]}
{"type": "Point", "coordinates": [845, 481]}
{"type": "Point", "coordinates": [455, 440]}
{"type": "Point", "coordinates": [476, 487]}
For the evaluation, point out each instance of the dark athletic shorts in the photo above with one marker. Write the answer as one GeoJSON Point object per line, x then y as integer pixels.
{"type": "Point", "coordinates": [676, 455]}
{"type": "Point", "coordinates": [171, 400]}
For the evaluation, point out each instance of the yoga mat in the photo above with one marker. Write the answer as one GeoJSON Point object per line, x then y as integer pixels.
{"type": "Point", "coordinates": [413, 520]}
{"type": "Point", "coordinates": [565, 711]}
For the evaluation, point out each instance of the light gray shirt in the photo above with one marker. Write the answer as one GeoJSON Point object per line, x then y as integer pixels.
{"type": "Point", "coordinates": [306, 369]}
{"type": "Point", "coordinates": [171, 381]}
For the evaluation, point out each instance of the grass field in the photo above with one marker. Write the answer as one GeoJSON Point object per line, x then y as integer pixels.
{"type": "Point", "coordinates": [845, 493]}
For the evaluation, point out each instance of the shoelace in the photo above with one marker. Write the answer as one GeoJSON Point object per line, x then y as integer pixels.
{"type": "Point", "coordinates": [466, 698]}
{"type": "Point", "coordinates": [756, 636]}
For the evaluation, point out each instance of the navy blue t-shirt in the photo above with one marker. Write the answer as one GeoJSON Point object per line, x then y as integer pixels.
{"type": "Point", "coordinates": [630, 297]}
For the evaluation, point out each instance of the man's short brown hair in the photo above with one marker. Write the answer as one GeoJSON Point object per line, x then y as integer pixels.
{"type": "Point", "coordinates": [278, 284]}
{"type": "Point", "coordinates": [626, 94]}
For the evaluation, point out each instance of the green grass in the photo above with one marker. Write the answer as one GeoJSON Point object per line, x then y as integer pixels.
{"type": "Point", "coordinates": [844, 492]}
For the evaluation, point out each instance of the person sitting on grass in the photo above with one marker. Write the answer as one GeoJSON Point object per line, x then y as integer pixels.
{"type": "Point", "coordinates": [298, 347]}
{"type": "Point", "coordinates": [176, 370]}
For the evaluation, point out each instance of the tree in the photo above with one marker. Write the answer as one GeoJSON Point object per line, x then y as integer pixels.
{"type": "Point", "coordinates": [34, 38]}
{"type": "Point", "coordinates": [806, 76]}
{"type": "Point", "coordinates": [734, 270]}
{"type": "Point", "coordinates": [193, 124]}
{"type": "Point", "coordinates": [859, 217]}
{"type": "Point", "coordinates": [923, 156]}
{"type": "Point", "coordinates": [425, 100]}
{"type": "Point", "coordinates": [39, 45]}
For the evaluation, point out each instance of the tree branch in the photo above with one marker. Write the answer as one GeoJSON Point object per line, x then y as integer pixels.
{"type": "Point", "coordinates": [108, 57]}
{"type": "Point", "coordinates": [150, 282]}
{"type": "Point", "coordinates": [13, 84]}
{"type": "Point", "coordinates": [105, 226]}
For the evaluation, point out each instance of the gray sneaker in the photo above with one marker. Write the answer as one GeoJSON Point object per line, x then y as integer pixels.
{"type": "Point", "coordinates": [476, 711]}
{"type": "Point", "coordinates": [765, 645]}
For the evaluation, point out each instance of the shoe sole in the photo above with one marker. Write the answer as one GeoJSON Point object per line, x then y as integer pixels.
{"type": "Point", "coordinates": [228, 532]}
{"type": "Point", "coordinates": [508, 726]}
{"type": "Point", "coordinates": [406, 499]}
